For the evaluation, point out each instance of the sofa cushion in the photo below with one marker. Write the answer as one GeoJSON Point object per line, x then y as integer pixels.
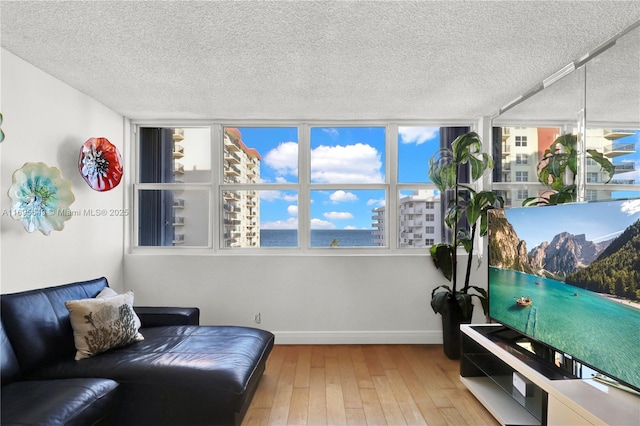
{"type": "Point", "coordinates": [180, 371]}
{"type": "Point", "coordinates": [77, 402]}
{"type": "Point", "coordinates": [103, 323]}
{"type": "Point", "coordinates": [8, 361]}
{"type": "Point", "coordinates": [37, 322]}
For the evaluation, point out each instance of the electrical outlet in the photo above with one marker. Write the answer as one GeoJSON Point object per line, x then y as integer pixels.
{"type": "Point", "coordinates": [258, 318]}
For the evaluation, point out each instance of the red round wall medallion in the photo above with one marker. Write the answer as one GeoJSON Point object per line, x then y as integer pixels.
{"type": "Point", "coordinates": [100, 164]}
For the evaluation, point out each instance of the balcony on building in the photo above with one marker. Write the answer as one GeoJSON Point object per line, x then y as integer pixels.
{"type": "Point", "coordinates": [231, 157]}
{"type": "Point", "coordinates": [618, 149]}
{"type": "Point", "coordinates": [178, 239]}
{"type": "Point", "coordinates": [506, 132]}
{"type": "Point", "coordinates": [506, 150]}
{"type": "Point", "coordinates": [231, 170]}
{"type": "Point", "coordinates": [614, 134]}
{"type": "Point", "coordinates": [230, 195]}
{"type": "Point", "coordinates": [624, 167]}
{"type": "Point", "coordinates": [178, 135]}
{"type": "Point", "coordinates": [623, 182]}
{"type": "Point", "coordinates": [178, 151]}
{"type": "Point", "coordinates": [230, 145]}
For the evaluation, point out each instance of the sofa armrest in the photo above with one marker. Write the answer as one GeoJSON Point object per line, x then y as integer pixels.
{"type": "Point", "coordinates": [152, 316]}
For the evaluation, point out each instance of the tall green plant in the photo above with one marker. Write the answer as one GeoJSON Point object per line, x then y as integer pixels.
{"type": "Point", "coordinates": [558, 169]}
{"type": "Point", "coordinates": [466, 215]}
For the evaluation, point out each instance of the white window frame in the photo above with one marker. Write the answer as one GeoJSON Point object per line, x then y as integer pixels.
{"type": "Point", "coordinates": [215, 245]}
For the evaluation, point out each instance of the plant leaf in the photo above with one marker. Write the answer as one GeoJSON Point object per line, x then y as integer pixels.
{"type": "Point", "coordinates": [438, 299]}
{"type": "Point", "coordinates": [603, 161]}
{"type": "Point", "coordinates": [442, 257]}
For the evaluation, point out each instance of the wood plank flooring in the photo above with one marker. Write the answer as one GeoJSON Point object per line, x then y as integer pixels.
{"type": "Point", "coordinates": [363, 385]}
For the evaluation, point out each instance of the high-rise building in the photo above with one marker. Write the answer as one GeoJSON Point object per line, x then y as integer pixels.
{"type": "Point", "coordinates": [419, 218]}
{"type": "Point", "coordinates": [242, 207]}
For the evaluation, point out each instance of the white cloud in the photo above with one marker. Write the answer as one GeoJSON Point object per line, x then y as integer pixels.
{"type": "Point", "coordinates": [631, 207]}
{"type": "Point", "coordinates": [359, 163]}
{"type": "Point", "coordinates": [331, 131]}
{"type": "Point", "coordinates": [272, 195]}
{"type": "Point", "coordinates": [350, 228]}
{"type": "Point", "coordinates": [417, 135]}
{"type": "Point", "coordinates": [291, 223]}
{"type": "Point", "coordinates": [338, 215]}
{"type": "Point", "coordinates": [340, 196]}
{"type": "Point", "coordinates": [292, 210]}
{"type": "Point", "coordinates": [283, 158]}
{"type": "Point", "coordinates": [321, 224]}
{"type": "Point", "coordinates": [373, 202]}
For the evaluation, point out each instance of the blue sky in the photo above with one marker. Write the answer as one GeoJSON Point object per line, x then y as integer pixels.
{"type": "Point", "coordinates": [339, 155]}
{"type": "Point", "coordinates": [599, 221]}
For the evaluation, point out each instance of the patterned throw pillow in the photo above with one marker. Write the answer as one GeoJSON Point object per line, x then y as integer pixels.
{"type": "Point", "coordinates": [103, 323]}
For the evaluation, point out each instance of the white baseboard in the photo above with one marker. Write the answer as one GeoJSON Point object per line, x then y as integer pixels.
{"type": "Point", "coordinates": [357, 337]}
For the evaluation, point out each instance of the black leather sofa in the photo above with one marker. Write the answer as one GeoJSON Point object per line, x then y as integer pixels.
{"type": "Point", "coordinates": [180, 374]}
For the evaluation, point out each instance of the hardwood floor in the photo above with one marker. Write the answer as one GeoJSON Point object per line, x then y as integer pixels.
{"type": "Point", "coordinates": [363, 385]}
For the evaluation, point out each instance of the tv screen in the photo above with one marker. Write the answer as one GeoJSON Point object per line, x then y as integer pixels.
{"type": "Point", "coordinates": [568, 276]}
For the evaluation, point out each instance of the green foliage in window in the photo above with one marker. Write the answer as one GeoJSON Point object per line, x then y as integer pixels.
{"type": "Point", "coordinates": [558, 169]}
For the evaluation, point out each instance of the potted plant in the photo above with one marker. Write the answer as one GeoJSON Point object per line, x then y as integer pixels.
{"type": "Point", "coordinates": [466, 216]}
{"type": "Point", "coordinates": [558, 169]}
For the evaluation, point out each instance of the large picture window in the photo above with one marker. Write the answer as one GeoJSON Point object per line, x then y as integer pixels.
{"type": "Point", "coordinates": [296, 186]}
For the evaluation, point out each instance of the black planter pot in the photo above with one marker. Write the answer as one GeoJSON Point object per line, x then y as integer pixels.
{"type": "Point", "coordinates": [452, 317]}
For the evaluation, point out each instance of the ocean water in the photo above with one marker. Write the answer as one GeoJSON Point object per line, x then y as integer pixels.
{"type": "Point", "coordinates": [602, 333]}
{"type": "Point", "coordinates": [319, 238]}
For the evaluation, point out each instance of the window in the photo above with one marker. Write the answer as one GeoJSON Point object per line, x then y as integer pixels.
{"type": "Point", "coordinates": [592, 195]}
{"type": "Point", "coordinates": [593, 177]}
{"type": "Point", "coordinates": [619, 146]}
{"type": "Point", "coordinates": [342, 159]}
{"type": "Point", "coordinates": [415, 146]}
{"type": "Point", "coordinates": [294, 186]}
{"type": "Point", "coordinates": [172, 207]}
{"type": "Point", "coordinates": [264, 162]}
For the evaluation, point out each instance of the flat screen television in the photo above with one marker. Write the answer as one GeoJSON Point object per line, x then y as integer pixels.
{"type": "Point", "coordinates": [567, 277]}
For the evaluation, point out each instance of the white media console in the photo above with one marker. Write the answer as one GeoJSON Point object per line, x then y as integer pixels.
{"type": "Point", "coordinates": [487, 369]}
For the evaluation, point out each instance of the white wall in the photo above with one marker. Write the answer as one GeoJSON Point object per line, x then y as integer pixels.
{"type": "Point", "coordinates": [46, 120]}
{"type": "Point", "coordinates": [303, 299]}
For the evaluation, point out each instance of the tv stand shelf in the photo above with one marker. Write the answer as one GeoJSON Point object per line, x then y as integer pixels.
{"type": "Point", "coordinates": [487, 367]}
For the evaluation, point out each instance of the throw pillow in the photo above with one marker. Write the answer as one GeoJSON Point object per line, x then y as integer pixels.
{"type": "Point", "coordinates": [109, 292]}
{"type": "Point", "coordinates": [103, 323]}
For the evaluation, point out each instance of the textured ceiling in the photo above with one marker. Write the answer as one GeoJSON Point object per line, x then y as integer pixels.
{"type": "Point", "coordinates": [309, 59]}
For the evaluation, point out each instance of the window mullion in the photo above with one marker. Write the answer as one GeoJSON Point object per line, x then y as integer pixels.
{"type": "Point", "coordinates": [392, 195]}
{"type": "Point", "coordinates": [304, 178]}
